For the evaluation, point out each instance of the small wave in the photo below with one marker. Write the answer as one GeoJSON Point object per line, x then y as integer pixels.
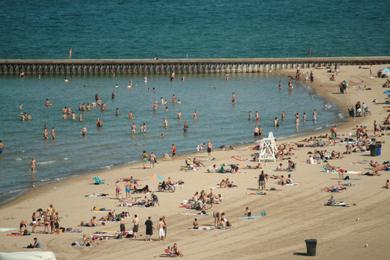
{"type": "Point", "coordinates": [45, 180]}
{"type": "Point", "coordinates": [47, 162]}
{"type": "Point", "coordinates": [18, 159]}
{"type": "Point", "coordinates": [107, 166]}
{"type": "Point", "coordinates": [341, 116]}
{"type": "Point", "coordinates": [66, 158]}
{"type": "Point", "coordinates": [328, 106]}
{"type": "Point", "coordinates": [319, 128]}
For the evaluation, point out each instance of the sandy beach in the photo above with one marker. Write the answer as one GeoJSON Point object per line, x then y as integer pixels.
{"type": "Point", "coordinates": [294, 213]}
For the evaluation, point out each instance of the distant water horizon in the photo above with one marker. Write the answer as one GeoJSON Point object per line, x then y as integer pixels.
{"type": "Point", "coordinates": [193, 29]}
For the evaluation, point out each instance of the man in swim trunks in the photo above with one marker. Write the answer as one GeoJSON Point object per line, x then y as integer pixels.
{"type": "Point", "coordinates": [135, 222]}
{"type": "Point", "coordinates": [209, 147]}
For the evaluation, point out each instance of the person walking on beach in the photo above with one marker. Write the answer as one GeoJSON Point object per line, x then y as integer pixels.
{"type": "Point", "coordinates": [262, 181]}
{"type": "Point", "coordinates": [209, 147]}
{"type": "Point", "coordinates": [173, 150]}
{"type": "Point", "coordinates": [135, 222]}
{"type": "Point", "coordinates": [33, 164]}
{"type": "Point", "coordinates": [149, 229]}
{"type": "Point", "coordinates": [165, 226]}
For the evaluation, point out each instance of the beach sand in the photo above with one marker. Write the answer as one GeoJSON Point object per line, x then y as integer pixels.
{"type": "Point", "coordinates": [293, 214]}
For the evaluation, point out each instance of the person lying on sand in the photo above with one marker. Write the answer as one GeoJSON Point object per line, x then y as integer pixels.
{"type": "Point", "coordinates": [86, 241]}
{"type": "Point", "coordinates": [92, 223]}
{"type": "Point", "coordinates": [335, 188]}
{"type": "Point", "coordinates": [257, 166]}
{"type": "Point", "coordinates": [145, 189]}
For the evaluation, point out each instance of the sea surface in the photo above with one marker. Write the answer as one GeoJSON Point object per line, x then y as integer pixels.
{"type": "Point", "coordinates": [194, 29]}
{"type": "Point", "coordinates": [71, 154]}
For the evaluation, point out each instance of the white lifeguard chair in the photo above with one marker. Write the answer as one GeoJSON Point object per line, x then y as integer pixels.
{"type": "Point", "coordinates": [267, 148]}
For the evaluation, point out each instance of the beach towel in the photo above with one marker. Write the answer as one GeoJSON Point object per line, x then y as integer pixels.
{"type": "Point", "coordinates": [338, 204]}
{"type": "Point", "coordinates": [7, 229]}
{"type": "Point", "coordinates": [257, 193]}
{"type": "Point", "coordinates": [203, 228]}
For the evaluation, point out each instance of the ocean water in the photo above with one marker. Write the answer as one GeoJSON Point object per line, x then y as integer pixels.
{"type": "Point", "coordinates": [194, 29]}
{"type": "Point", "coordinates": [70, 154]}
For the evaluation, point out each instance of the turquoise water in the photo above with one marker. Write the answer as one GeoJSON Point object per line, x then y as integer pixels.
{"type": "Point", "coordinates": [183, 28]}
{"type": "Point", "coordinates": [71, 154]}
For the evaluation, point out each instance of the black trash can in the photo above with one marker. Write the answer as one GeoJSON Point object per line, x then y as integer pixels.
{"type": "Point", "coordinates": [311, 245]}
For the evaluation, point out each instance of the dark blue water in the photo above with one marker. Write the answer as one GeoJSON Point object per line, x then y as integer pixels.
{"type": "Point", "coordinates": [113, 144]}
{"type": "Point", "coordinates": [183, 28]}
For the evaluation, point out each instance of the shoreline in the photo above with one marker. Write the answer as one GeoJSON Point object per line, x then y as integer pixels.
{"type": "Point", "coordinates": [294, 213]}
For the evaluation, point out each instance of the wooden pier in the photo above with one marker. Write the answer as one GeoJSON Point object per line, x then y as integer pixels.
{"type": "Point", "coordinates": [180, 66]}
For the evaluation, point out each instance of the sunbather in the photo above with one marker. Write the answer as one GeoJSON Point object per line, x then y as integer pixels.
{"type": "Point", "coordinates": [92, 223]}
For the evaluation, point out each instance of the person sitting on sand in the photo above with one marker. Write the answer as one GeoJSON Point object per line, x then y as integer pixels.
{"type": "Point", "coordinates": [387, 185]}
{"type": "Point", "coordinates": [282, 181]}
{"type": "Point", "coordinates": [222, 184]}
{"type": "Point", "coordinates": [35, 244]}
{"type": "Point", "coordinates": [195, 224]}
{"type": "Point", "coordinates": [331, 201]}
{"type": "Point", "coordinates": [248, 212]}
{"type": "Point", "coordinates": [225, 222]}
{"type": "Point", "coordinates": [291, 166]}
{"type": "Point", "coordinates": [289, 180]}
{"type": "Point", "coordinates": [173, 251]}
{"type": "Point", "coordinates": [279, 167]}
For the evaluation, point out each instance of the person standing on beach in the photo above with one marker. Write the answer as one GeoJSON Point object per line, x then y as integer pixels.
{"type": "Point", "coordinates": [152, 159]}
{"type": "Point", "coordinates": [165, 226]}
{"type": "Point", "coordinates": [135, 222]}
{"type": "Point", "coordinates": [2, 146]}
{"type": "Point", "coordinates": [209, 147]}
{"type": "Point", "coordinates": [33, 165]}
{"type": "Point", "coordinates": [145, 158]}
{"type": "Point", "coordinates": [173, 150]}
{"type": "Point", "coordinates": [262, 181]}
{"type": "Point", "coordinates": [160, 228]}
{"type": "Point", "coordinates": [149, 229]}
{"type": "Point", "coordinates": [311, 76]}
